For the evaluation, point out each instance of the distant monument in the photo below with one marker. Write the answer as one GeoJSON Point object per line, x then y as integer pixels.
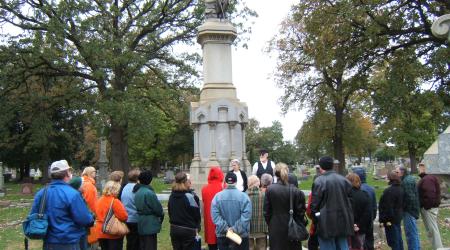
{"type": "Point", "coordinates": [218, 118]}
{"type": "Point", "coordinates": [102, 164]}
{"type": "Point", "coordinates": [2, 181]}
{"type": "Point", "coordinates": [437, 157]}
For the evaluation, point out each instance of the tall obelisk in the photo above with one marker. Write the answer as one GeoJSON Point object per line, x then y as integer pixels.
{"type": "Point", "coordinates": [218, 118]}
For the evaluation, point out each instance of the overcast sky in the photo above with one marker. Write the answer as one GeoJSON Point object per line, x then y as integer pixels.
{"type": "Point", "coordinates": [253, 69]}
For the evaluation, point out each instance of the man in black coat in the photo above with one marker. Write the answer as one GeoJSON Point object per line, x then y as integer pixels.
{"type": "Point", "coordinates": [331, 207]}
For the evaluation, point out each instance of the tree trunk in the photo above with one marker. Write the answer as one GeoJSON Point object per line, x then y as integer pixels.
{"type": "Point", "coordinates": [338, 142]}
{"type": "Point", "coordinates": [412, 158]}
{"type": "Point", "coordinates": [119, 148]}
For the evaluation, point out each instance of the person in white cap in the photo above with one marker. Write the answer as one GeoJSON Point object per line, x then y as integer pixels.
{"type": "Point", "coordinates": [68, 215]}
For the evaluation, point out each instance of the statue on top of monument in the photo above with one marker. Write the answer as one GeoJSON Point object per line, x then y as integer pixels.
{"type": "Point", "coordinates": [216, 8]}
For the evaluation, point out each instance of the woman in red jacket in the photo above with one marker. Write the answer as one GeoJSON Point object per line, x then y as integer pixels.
{"type": "Point", "coordinates": [215, 185]}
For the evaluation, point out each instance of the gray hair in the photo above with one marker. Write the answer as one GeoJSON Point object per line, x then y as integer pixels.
{"type": "Point", "coordinates": [266, 180]}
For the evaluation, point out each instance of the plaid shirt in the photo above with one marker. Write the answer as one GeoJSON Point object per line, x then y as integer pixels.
{"type": "Point", "coordinates": [411, 198]}
{"type": "Point", "coordinates": [257, 223]}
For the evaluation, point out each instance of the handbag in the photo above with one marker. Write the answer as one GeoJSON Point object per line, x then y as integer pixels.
{"type": "Point", "coordinates": [36, 224]}
{"type": "Point", "coordinates": [112, 225]}
{"type": "Point", "coordinates": [296, 231]}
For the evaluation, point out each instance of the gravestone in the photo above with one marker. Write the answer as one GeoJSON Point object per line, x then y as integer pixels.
{"type": "Point", "coordinates": [27, 188]}
{"type": "Point", "coordinates": [2, 181]}
{"type": "Point", "coordinates": [169, 177]}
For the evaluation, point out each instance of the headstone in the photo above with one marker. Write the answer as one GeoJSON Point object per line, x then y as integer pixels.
{"type": "Point", "coordinates": [169, 177]}
{"type": "Point", "coordinates": [27, 188]}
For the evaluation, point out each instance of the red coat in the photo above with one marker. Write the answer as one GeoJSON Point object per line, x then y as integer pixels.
{"type": "Point", "coordinates": [215, 185]}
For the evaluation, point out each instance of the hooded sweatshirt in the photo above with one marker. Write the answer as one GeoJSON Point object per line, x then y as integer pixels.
{"type": "Point", "coordinates": [215, 185]}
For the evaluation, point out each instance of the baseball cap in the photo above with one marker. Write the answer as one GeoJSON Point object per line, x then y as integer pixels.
{"type": "Point", "coordinates": [230, 178]}
{"type": "Point", "coordinates": [59, 166]}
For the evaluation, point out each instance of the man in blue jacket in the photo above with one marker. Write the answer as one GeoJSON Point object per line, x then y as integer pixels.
{"type": "Point", "coordinates": [369, 240]}
{"type": "Point", "coordinates": [68, 215]}
{"type": "Point", "coordinates": [231, 210]}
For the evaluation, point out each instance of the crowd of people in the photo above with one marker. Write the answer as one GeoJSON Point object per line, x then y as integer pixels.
{"type": "Point", "coordinates": [238, 212]}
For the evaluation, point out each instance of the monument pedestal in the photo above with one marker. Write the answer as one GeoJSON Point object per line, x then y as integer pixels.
{"type": "Point", "coordinates": [218, 118]}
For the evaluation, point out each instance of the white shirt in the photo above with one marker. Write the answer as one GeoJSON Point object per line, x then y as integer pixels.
{"type": "Point", "coordinates": [264, 164]}
{"type": "Point", "coordinates": [240, 180]}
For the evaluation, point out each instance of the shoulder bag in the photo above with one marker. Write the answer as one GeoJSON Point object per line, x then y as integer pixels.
{"type": "Point", "coordinates": [296, 231]}
{"type": "Point", "coordinates": [36, 224]}
{"type": "Point", "coordinates": [112, 225]}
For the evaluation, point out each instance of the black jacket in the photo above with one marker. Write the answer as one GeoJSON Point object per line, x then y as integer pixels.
{"type": "Point", "coordinates": [276, 214]}
{"type": "Point", "coordinates": [362, 211]}
{"type": "Point", "coordinates": [331, 197]}
{"type": "Point", "coordinates": [184, 209]}
{"type": "Point", "coordinates": [390, 206]}
{"type": "Point", "coordinates": [244, 178]}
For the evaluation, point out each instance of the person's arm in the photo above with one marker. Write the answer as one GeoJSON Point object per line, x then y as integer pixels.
{"type": "Point", "coordinates": [79, 211]}
{"type": "Point", "coordinates": [221, 224]}
{"type": "Point", "coordinates": [317, 196]}
{"type": "Point", "coordinates": [90, 196]}
{"type": "Point", "coordinates": [151, 200]}
{"type": "Point", "coordinates": [244, 178]}
{"type": "Point", "coordinates": [242, 224]}
{"type": "Point", "coordinates": [300, 207]}
{"type": "Point", "coordinates": [267, 208]}
{"type": "Point", "coordinates": [119, 210]}
{"type": "Point", "coordinates": [255, 168]}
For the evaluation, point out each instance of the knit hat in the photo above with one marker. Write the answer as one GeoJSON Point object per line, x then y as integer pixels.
{"type": "Point", "coordinates": [361, 172]}
{"type": "Point", "coordinates": [326, 163]}
{"type": "Point", "coordinates": [231, 178]}
{"type": "Point", "coordinates": [145, 177]}
{"type": "Point", "coordinates": [59, 166]}
{"type": "Point", "coordinates": [76, 182]}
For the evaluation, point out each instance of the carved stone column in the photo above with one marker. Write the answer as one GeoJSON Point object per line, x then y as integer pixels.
{"type": "Point", "coordinates": [245, 161]}
{"type": "Point", "coordinates": [232, 126]}
{"type": "Point", "coordinates": [212, 137]}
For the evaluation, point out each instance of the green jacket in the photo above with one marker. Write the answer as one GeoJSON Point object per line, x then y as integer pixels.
{"type": "Point", "coordinates": [149, 209]}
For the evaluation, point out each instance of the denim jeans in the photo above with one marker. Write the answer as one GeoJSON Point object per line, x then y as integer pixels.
{"type": "Point", "coordinates": [50, 246]}
{"type": "Point", "coordinates": [394, 236]}
{"type": "Point", "coordinates": [339, 243]}
{"type": "Point", "coordinates": [411, 232]}
{"type": "Point", "coordinates": [223, 243]}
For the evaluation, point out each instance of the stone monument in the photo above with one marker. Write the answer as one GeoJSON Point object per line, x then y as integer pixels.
{"type": "Point", "coordinates": [102, 165]}
{"type": "Point", "coordinates": [219, 117]}
{"type": "Point", "coordinates": [2, 181]}
{"type": "Point", "coordinates": [437, 157]}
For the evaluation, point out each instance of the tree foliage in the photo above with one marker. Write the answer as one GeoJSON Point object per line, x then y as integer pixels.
{"type": "Point", "coordinates": [114, 49]}
{"type": "Point", "coordinates": [409, 116]}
